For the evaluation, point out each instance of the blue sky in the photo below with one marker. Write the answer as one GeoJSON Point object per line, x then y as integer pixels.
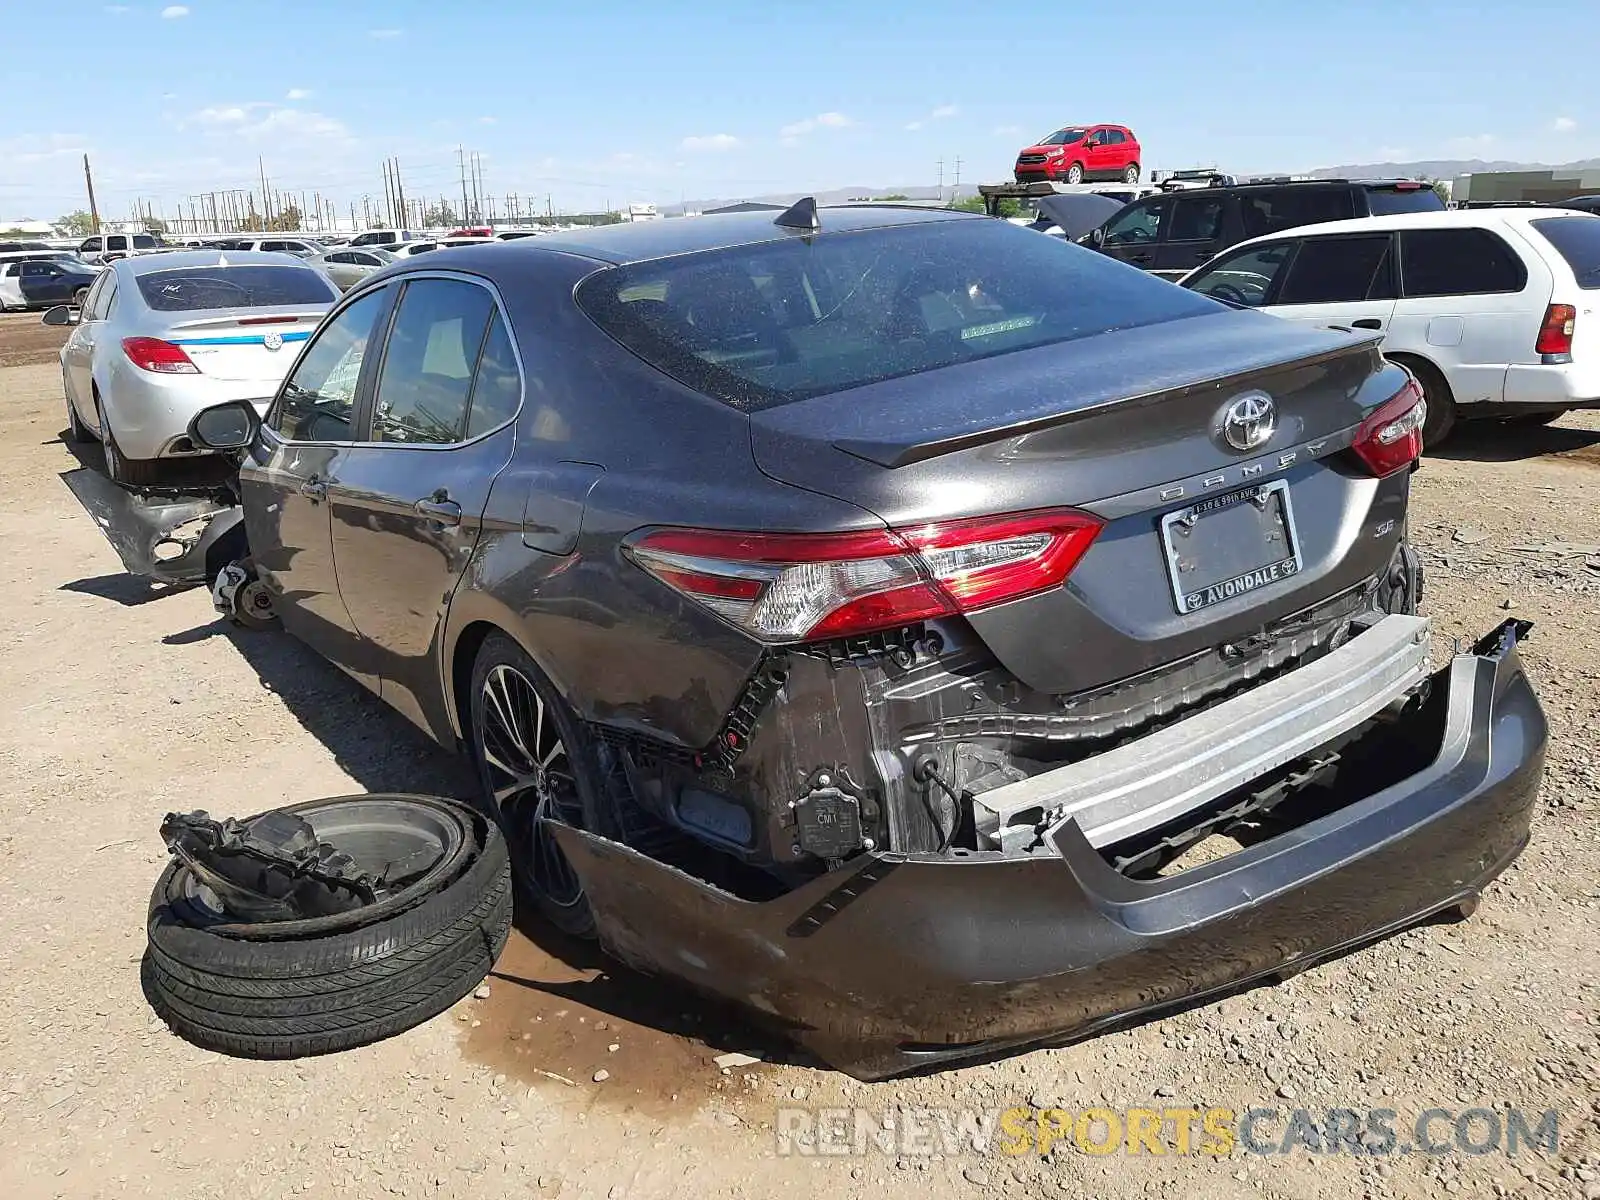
{"type": "Point", "coordinates": [621, 101]}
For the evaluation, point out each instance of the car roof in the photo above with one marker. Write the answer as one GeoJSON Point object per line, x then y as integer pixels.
{"type": "Point", "coordinates": [639, 241]}
{"type": "Point", "coordinates": [1452, 218]}
{"type": "Point", "coordinates": [178, 260]}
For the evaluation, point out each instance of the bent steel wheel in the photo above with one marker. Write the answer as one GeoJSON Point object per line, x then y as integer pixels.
{"type": "Point", "coordinates": [531, 777]}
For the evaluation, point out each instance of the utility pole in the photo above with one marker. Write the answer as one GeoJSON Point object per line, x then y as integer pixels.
{"type": "Point", "coordinates": [461, 161]}
{"type": "Point", "coordinates": [958, 172]}
{"type": "Point", "coordinates": [266, 200]}
{"type": "Point", "coordinates": [400, 194]}
{"type": "Point", "coordinates": [94, 211]}
{"type": "Point", "coordinates": [388, 194]}
{"type": "Point", "coordinates": [941, 179]}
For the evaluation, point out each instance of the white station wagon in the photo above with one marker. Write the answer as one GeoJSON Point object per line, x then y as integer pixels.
{"type": "Point", "coordinates": [1495, 311]}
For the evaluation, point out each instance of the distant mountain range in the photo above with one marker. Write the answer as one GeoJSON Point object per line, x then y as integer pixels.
{"type": "Point", "coordinates": [1445, 168]}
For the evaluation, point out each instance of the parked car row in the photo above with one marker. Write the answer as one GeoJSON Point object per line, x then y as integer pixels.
{"type": "Point", "coordinates": [857, 613]}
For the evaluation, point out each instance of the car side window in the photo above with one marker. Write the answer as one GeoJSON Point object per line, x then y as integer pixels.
{"type": "Point", "coordinates": [1292, 206]}
{"type": "Point", "coordinates": [1196, 219]}
{"type": "Point", "coordinates": [117, 243]}
{"type": "Point", "coordinates": [1138, 224]}
{"type": "Point", "coordinates": [425, 383]}
{"type": "Point", "coordinates": [1331, 270]}
{"type": "Point", "coordinates": [497, 384]}
{"type": "Point", "coordinates": [1246, 277]}
{"type": "Point", "coordinates": [97, 307]}
{"type": "Point", "coordinates": [319, 398]}
{"type": "Point", "coordinates": [1458, 262]}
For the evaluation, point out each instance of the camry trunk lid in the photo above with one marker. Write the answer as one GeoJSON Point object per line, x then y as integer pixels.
{"type": "Point", "coordinates": [1215, 449]}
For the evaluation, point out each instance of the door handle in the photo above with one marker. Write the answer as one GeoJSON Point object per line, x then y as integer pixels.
{"type": "Point", "coordinates": [1367, 323]}
{"type": "Point", "coordinates": [439, 508]}
{"type": "Point", "coordinates": [314, 489]}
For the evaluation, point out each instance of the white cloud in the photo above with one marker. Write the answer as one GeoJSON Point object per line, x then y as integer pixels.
{"type": "Point", "coordinates": [827, 120]}
{"type": "Point", "coordinates": [36, 148]}
{"type": "Point", "coordinates": [173, 11]}
{"type": "Point", "coordinates": [913, 126]}
{"type": "Point", "coordinates": [298, 94]}
{"type": "Point", "coordinates": [710, 143]}
{"type": "Point", "coordinates": [384, 35]}
{"type": "Point", "coordinates": [1564, 125]}
{"type": "Point", "coordinates": [943, 111]}
{"type": "Point", "coordinates": [229, 114]}
{"type": "Point", "coordinates": [487, 120]}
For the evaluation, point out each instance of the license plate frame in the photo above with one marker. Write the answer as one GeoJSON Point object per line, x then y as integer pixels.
{"type": "Point", "coordinates": [1264, 495]}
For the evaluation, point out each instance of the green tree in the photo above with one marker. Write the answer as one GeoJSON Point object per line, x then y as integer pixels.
{"type": "Point", "coordinates": [895, 196]}
{"type": "Point", "coordinates": [288, 218]}
{"type": "Point", "coordinates": [439, 214]}
{"type": "Point", "coordinates": [76, 224]}
{"type": "Point", "coordinates": [1008, 206]}
{"type": "Point", "coordinates": [155, 225]}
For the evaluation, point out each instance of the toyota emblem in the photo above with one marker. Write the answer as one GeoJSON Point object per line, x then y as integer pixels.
{"type": "Point", "coordinates": [1249, 421]}
{"type": "Point", "coordinates": [273, 341]}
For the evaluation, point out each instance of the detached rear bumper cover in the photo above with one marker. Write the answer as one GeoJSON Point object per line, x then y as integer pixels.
{"type": "Point", "coordinates": [898, 961]}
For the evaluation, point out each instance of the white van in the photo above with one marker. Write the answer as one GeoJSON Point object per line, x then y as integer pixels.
{"type": "Point", "coordinates": [1496, 311]}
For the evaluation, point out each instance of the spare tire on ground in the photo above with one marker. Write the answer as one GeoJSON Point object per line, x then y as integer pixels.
{"type": "Point", "coordinates": [418, 930]}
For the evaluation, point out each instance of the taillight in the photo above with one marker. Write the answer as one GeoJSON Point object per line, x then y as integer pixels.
{"type": "Point", "coordinates": [1555, 334]}
{"type": "Point", "coordinates": [152, 354]}
{"type": "Point", "coordinates": [792, 587]}
{"type": "Point", "coordinates": [1391, 438]}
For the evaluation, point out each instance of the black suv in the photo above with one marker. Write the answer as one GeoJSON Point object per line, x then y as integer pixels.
{"type": "Point", "coordinates": [1172, 234]}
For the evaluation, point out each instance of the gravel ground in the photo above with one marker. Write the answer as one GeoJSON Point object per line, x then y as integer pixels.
{"type": "Point", "coordinates": [570, 1078]}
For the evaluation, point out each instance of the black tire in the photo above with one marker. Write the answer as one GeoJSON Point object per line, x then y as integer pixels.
{"type": "Point", "coordinates": [131, 472]}
{"type": "Point", "coordinates": [1442, 414]}
{"type": "Point", "coordinates": [1075, 173]}
{"type": "Point", "coordinates": [1528, 420]}
{"type": "Point", "coordinates": [291, 989]}
{"type": "Point", "coordinates": [576, 796]}
{"type": "Point", "coordinates": [1131, 174]}
{"type": "Point", "coordinates": [77, 431]}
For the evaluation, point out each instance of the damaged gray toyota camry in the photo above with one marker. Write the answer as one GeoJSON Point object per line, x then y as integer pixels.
{"type": "Point", "coordinates": [862, 614]}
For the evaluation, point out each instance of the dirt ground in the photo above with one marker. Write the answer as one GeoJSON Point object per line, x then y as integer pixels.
{"type": "Point", "coordinates": [119, 702]}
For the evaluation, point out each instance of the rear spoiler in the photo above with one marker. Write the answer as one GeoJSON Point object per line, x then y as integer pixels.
{"type": "Point", "coordinates": [915, 447]}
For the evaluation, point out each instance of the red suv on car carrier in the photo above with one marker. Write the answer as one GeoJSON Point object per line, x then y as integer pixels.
{"type": "Point", "coordinates": [1075, 153]}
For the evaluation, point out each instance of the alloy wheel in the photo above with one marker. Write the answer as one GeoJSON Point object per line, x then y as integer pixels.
{"type": "Point", "coordinates": [531, 779]}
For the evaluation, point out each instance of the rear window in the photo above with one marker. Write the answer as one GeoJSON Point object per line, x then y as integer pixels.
{"type": "Point", "coordinates": [762, 325]}
{"type": "Point", "coordinates": [1576, 239]}
{"type": "Point", "coordinates": [191, 288]}
{"type": "Point", "coordinates": [1387, 201]}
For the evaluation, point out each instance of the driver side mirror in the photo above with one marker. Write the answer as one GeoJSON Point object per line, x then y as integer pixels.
{"type": "Point", "coordinates": [61, 314]}
{"type": "Point", "coordinates": [229, 426]}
